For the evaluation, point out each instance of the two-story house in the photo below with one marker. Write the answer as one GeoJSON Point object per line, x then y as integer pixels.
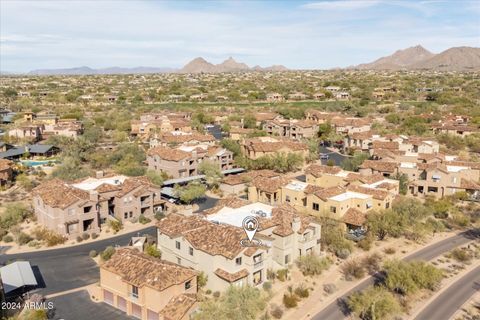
{"type": "Point", "coordinates": [148, 288]}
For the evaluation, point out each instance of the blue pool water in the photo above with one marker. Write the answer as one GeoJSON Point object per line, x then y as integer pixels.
{"type": "Point", "coordinates": [34, 163]}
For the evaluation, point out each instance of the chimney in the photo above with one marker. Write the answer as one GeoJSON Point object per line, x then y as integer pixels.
{"type": "Point", "coordinates": [296, 224]}
{"type": "Point", "coordinates": [93, 196]}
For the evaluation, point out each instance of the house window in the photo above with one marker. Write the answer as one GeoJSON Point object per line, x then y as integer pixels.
{"type": "Point", "coordinates": [134, 291]}
{"type": "Point", "coordinates": [190, 250]}
{"type": "Point", "coordinates": [238, 261]}
{"type": "Point", "coordinates": [131, 214]}
{"type": "Point", "coordinates": [287, 259]}
{"type": "Point", "coordinates": [316, 206]}
{"type": "Point", "coordinates": [387, 205]}
{"type": "Point", "coordinates": [177, 245]}
{"type": "Point", "coordinates": [179, 261]}
{"type": "Point", "coordinates": [333, 209]}
{"type": "Point", "coordinates": [125, 215]}
{"type": "Point", "coordinates": [188, 284]}
{"type": "Point", "coordinates": [287, 198]}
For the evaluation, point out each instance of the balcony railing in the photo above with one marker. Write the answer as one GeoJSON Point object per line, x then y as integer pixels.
{"type": "Point", "coordinates": [134, 295]}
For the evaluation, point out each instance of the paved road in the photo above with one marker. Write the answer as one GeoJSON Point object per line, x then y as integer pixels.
{"type": "Point", "coordinates": [206, 203]}
{"type": "Point", "coordinates": [335, 156]}
{"type": "Point", "coordinates": [452, 299]}
{"type": "Point", "coordinates": [78, 306]}
{"type": "Point", "coordinates": [68, 268]}
{"type": "Point", "coordinates": [338, 310]}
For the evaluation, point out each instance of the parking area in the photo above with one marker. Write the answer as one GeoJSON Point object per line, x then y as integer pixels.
{"type": "Point", "coordinates": [78, 306]}
{"type": "Point", "coordinates": [335, 156]}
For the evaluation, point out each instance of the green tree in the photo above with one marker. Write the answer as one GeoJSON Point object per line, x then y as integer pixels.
{"type": "Point", "coordinates": [232, 146]}
{"type": "Point", "coordinates": [212, 172]}
{"type": "Point", "coordinates": [249, 121]}
{"type": "Point", "coordinates": [375, 303]}
{"type": "Point", "coordinates": [403, 183]}
{"type": "Point", "coordinates": [152, 250]}
{"type": "Point", "coordinates": [154, 177]}
{"type": "Point", "coordinates": [191, 192]}
{"type": "Point", "coordinates": [311, 265]}
{"type": "Point", "coordinates": [353, 163]}
{"type": "Point", "coordinates": [409, 277]}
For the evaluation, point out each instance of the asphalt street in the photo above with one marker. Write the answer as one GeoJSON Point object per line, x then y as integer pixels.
{"type": "Point", "coordinates": [338, 310]}
{"type": "Point", "coordinates": [63, 269]}
{"type": "Point", "coordinates": [452, 299]}
{"type": "Point", "coordinates": [335, 156]}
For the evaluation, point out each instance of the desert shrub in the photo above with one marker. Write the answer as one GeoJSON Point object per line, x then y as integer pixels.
{"type": "Point", "coordinates": [79, 239]}
{"type": "Point", "coordinates": [409, 277]}
{"type": "Point", "coordinates": [460, 219]}
{"type": "Point", "coordinates": [8, 238]}
{"type": "Point", "coordinates": [152, 250]}
{"type": "Point", "coordinates": [282, 274]}
{"type": "Point", "coordinates": [277, 312]}
{"type": "Point", "coordinates": [3, 232]}
{"type": "Point", "coordinates": [93, 254]}
{"type": "Point", "coordinates": [343, 253]}
{"type": "Point", "coordinates": [352, 269]}
{"type": "Point", "coordinates": [208, 291]}
{"type": "Point", "coordinates": [460, 255]}
{"type": "Point", "coordinates": [373, 303]}
{"type": "Point", "coordinates": [216, 294]}
{"type": "Point", "coordinates": [52, 239]}
{"type": "Point", "coordinates": [271, 274]}
{"type": "Point", "coordinates": [311, 265]}
{"type": "Point", "coordinates": [202, 280]}
{"type": "Point", "coordinates": [372, 263]}
{"type": "Point", "coordinates": [302, 291]}
{"type": "Point", "coordinates": [329, 288]}
{"type": "Point", "coordinates": [13, 214]}
{"type": "Point", "coordinates": [23, 238]}
{"type": "Point", "coordinates": [267, 286]}
{"type": "Point", "coordinates": [389, 250]}
{"type": "Point", "coordinates": [290, 300]}
{"type": "Point", "coordinates": [159, 215]}
{"type": "Point", "coordinates": [85, 236]}
{"type": "Point", "coordinates": [143, 220]}
{"type": "Point", "coordinates": [95, 235]}
{"type": "Point", "coordinates": [366, 243]}
{"type": "Point", "coordinates": [34, 243]}
{"type": "Point", "coordinates": [107, 253]}
{"type": "Point", "coordinates": [116, 225]}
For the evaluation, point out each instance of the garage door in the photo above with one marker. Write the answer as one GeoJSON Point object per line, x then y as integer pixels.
{"type": "Point", "coordinates": [152, 315]}
{"type": "Point", "coordinates": [122, 304]}
{"type": "Point", "coordinates": [136, 311]}
{"type": "Point", "coordinates": [108, 297]}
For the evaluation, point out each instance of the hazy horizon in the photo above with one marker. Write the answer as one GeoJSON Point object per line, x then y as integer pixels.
{"type": "Point", "coordinates": [296, 34]}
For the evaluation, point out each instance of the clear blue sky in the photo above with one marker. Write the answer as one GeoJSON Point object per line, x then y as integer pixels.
{"type": "Point", "coordinates": [297, 34]}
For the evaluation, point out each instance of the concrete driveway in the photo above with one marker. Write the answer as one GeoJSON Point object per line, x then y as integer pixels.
{"type": "Point", "coordinates": [78, 306]}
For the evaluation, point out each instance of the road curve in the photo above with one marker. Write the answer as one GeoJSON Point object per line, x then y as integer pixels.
{"type": "Point", "coordinates": [338, 310]}
{"type": "Point", "coordinates": [452, 299]}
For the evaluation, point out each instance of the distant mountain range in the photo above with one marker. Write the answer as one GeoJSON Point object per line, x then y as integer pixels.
{"type": "Point", "coordinates": [419, 58]}
{"type": "Point", "coordinates": [199, 65]}
{"type": "Point", "coordinates": [89, 71]}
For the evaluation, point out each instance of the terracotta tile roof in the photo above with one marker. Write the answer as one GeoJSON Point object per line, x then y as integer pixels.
{"type": "Point", "coordinates": [274, 146]}
{"type": "Point", "coordinates": [141, 270]}
{"type": "Point", "coordinates": [57, 194]}
{"type": "Point", "coordinates": [353, 122]}
{"type": "Point", "coordinates": [203, 235]}
{"type": "Point", "coordinates": [263, 116]}
{"type": "Point", "coordinates": [230, 202]}
{"type": "Point", "coordinates": [354, 217]}
{"type": "Point", "coordinates": [326, 193]}
{"type": "Point", "coordinates": [469, 185]}
{"type": "Point", "coordinates": [185, 138]}
{"type": "Point", "coordinates": [5, 164]}
{"type": "Point", "coordinates": [241, 130]}
{"type": "Point", "coordinates": [178, 307]}
{"type": "Point", "coordinates": [470, 164]}
{"type": "Point", "coordinates": [388, 145]}
{"type": "Point", "coordinates": [270, 184]}
{"type": "Point", "coordinates": [362, 135]}
{"type": "Point", "coordinates": [382, 166]}
{"type": "Point", "coordinates": [133, 183]}
{"type": "Point", "coordinates": [282, 218]}
{"type": "Point", "coordinates": [168, 154]}
{"type": "Point", "coordinates": [245, 177]}
{"type": "Point", "coordinates": [317, 170]}
{"type": "Point", "coordinates": [311, 189]}
{"type": "Point", "coordinates": [231, 277]}
{"type": "Point", "coordinates": [375, 193]}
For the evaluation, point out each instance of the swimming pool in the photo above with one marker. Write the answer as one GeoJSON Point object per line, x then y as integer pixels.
{"type": "Point", "coordinates": [35, 163]}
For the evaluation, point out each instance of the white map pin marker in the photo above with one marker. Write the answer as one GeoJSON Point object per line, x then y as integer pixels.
{"type": "Point", "coordinates": [250, 225]}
